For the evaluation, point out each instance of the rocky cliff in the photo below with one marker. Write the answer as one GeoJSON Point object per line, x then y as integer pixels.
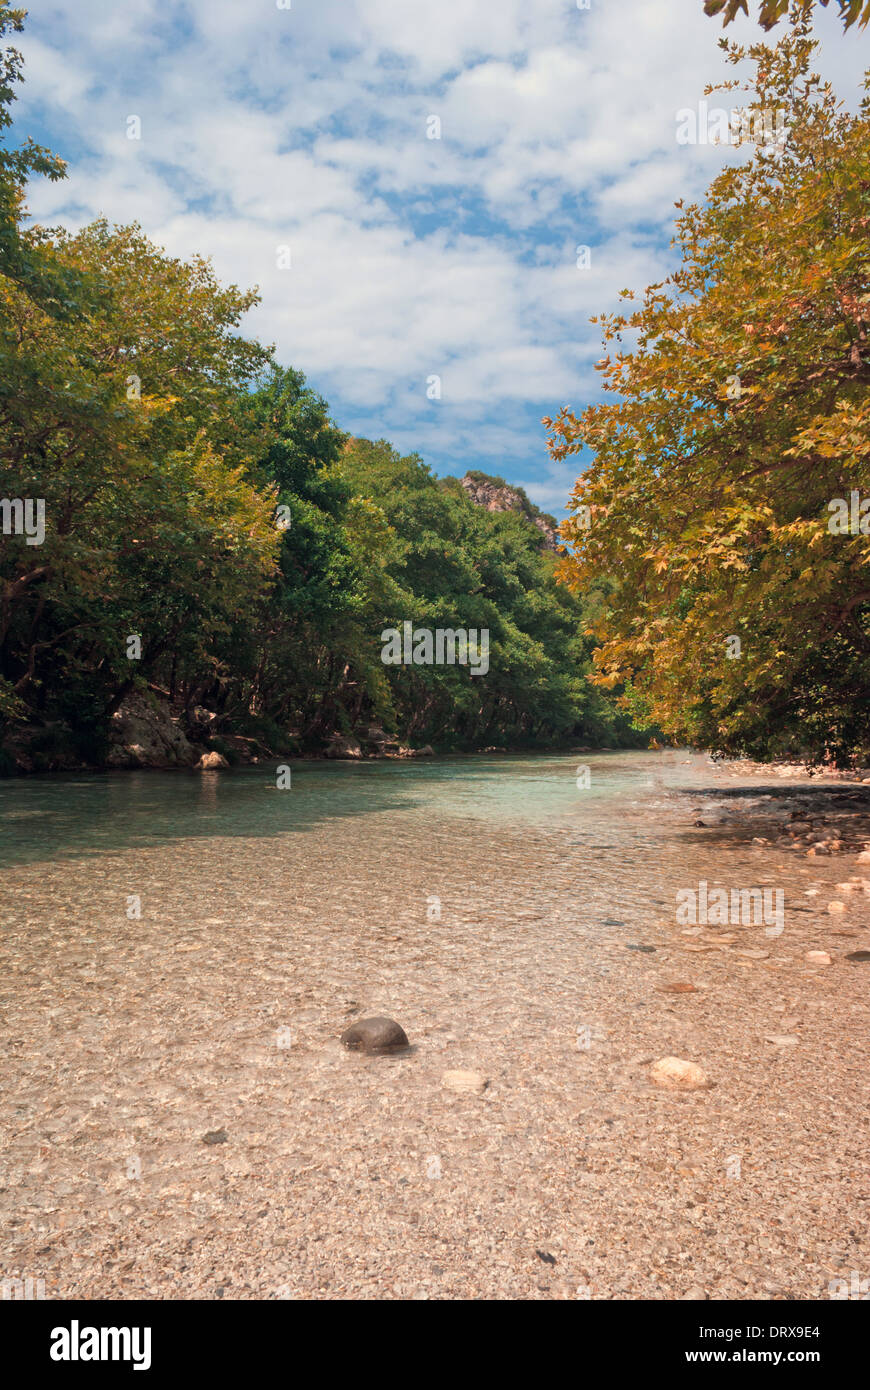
{"type": "Point", "coordinates": [498, 496]}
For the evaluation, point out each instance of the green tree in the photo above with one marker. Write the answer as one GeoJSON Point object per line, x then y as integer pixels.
{"type": "Point", "coordinates": [23, 257]}
{"type": "Point", "coordinates": [292, 665]}
{"type": "Point", "coordinates": [114, 419]}
{"type": "Point", "coordinates": [447, 563]}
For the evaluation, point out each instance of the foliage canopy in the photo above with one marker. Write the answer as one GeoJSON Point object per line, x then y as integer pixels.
{"type": "Point", "coordinates": [742, 416]}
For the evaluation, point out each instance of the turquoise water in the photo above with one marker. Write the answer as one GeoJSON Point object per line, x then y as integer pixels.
{"type": "Point", "coordinates": [57, 816]}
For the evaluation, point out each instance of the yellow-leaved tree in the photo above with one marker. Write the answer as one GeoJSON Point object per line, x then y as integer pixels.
{"type": "Point", "coordinates": [728, 496]}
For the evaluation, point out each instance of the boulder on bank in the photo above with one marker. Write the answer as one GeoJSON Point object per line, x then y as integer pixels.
{"type": "Point", "coordinates": [342, 746]}
{"type": "Point", "coordinates": [143, 733]}
{"type": "Point", "coordinates": [377, 743]}
{"type": "Point", "coordinates": [375, 735]}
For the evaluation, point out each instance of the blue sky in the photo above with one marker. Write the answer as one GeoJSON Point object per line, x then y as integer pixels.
{"type": "Point", "coordinates": [266, 127]}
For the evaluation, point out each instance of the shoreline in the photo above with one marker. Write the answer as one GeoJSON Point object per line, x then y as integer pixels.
{"type": "Point", "coordinates": [147, 734]}
{"type": "Point", "coordinates": [209, 759]}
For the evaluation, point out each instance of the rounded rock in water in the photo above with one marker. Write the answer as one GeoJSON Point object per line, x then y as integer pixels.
{"type": "Point", "coordinates": [375, 1036]}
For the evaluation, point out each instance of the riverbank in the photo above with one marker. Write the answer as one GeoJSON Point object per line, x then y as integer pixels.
{"type": "Point", "coordinates": [146, 732]}
{"type": "Point", "coordinates": [181, 1120]}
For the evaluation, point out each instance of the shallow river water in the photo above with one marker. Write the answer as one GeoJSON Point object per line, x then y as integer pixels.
{"type": "Point", "coordinates": [181, 952]}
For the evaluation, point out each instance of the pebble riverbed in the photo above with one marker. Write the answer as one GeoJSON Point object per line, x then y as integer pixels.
{"type": "Point", "coordinates": [517, 925]}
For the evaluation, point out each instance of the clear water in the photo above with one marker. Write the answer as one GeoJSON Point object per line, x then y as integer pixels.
{"type": "Point", "coordinates": [500, 912]}
{"type": "Point", "coordinates": [51, 816]}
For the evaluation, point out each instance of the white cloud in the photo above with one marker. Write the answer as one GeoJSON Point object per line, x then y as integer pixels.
{"type": "Point", "coordinates": [263, 127]}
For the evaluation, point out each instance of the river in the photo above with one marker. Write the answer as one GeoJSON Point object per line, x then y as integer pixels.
{"type": "Point", "coordinates": [181, 953]}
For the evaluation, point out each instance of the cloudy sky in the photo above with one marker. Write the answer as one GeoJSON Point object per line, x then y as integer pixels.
{"type": "Point", "coordinates": [267, 124]}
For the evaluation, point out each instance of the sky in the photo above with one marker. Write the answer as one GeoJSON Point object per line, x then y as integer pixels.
{"type": "Point", "coordinates": [407, 182]}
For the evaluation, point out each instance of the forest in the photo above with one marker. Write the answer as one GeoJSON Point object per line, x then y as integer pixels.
{"type": "Point", "coordinates": [214, 542]}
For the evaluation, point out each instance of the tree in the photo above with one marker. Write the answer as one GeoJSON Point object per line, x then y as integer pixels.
{"type": "Point", "coordinates": [770, 12]}
{"type": "Point", "coordinates": [740, 612]}
{"type": "Point", "coordinates": [444, 562]}
{"type": "Point", "coordinates": [23, 258]}
{"type": "Point", "coordinates": [288, 666]}
{"type": "Point", "coordinates": [114, 418]}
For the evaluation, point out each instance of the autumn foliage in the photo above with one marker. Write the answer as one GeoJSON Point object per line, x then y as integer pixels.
{"type": "Point", "coordinates": [740, 414]}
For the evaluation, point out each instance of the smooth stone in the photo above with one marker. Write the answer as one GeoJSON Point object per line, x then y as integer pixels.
{"type": "Point", "coordinates": [858, 955]}
{"type": "Point", "coordinates": [375, 1036]}
{"type": "Point", "coordinates": [817, 957]}
{"type": "Point", "coordinates": [465, 1082]}
{"type": "Point", "coordinates": [836, 907]}
{"type": "Point", "coordinates": [678, 1074]}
